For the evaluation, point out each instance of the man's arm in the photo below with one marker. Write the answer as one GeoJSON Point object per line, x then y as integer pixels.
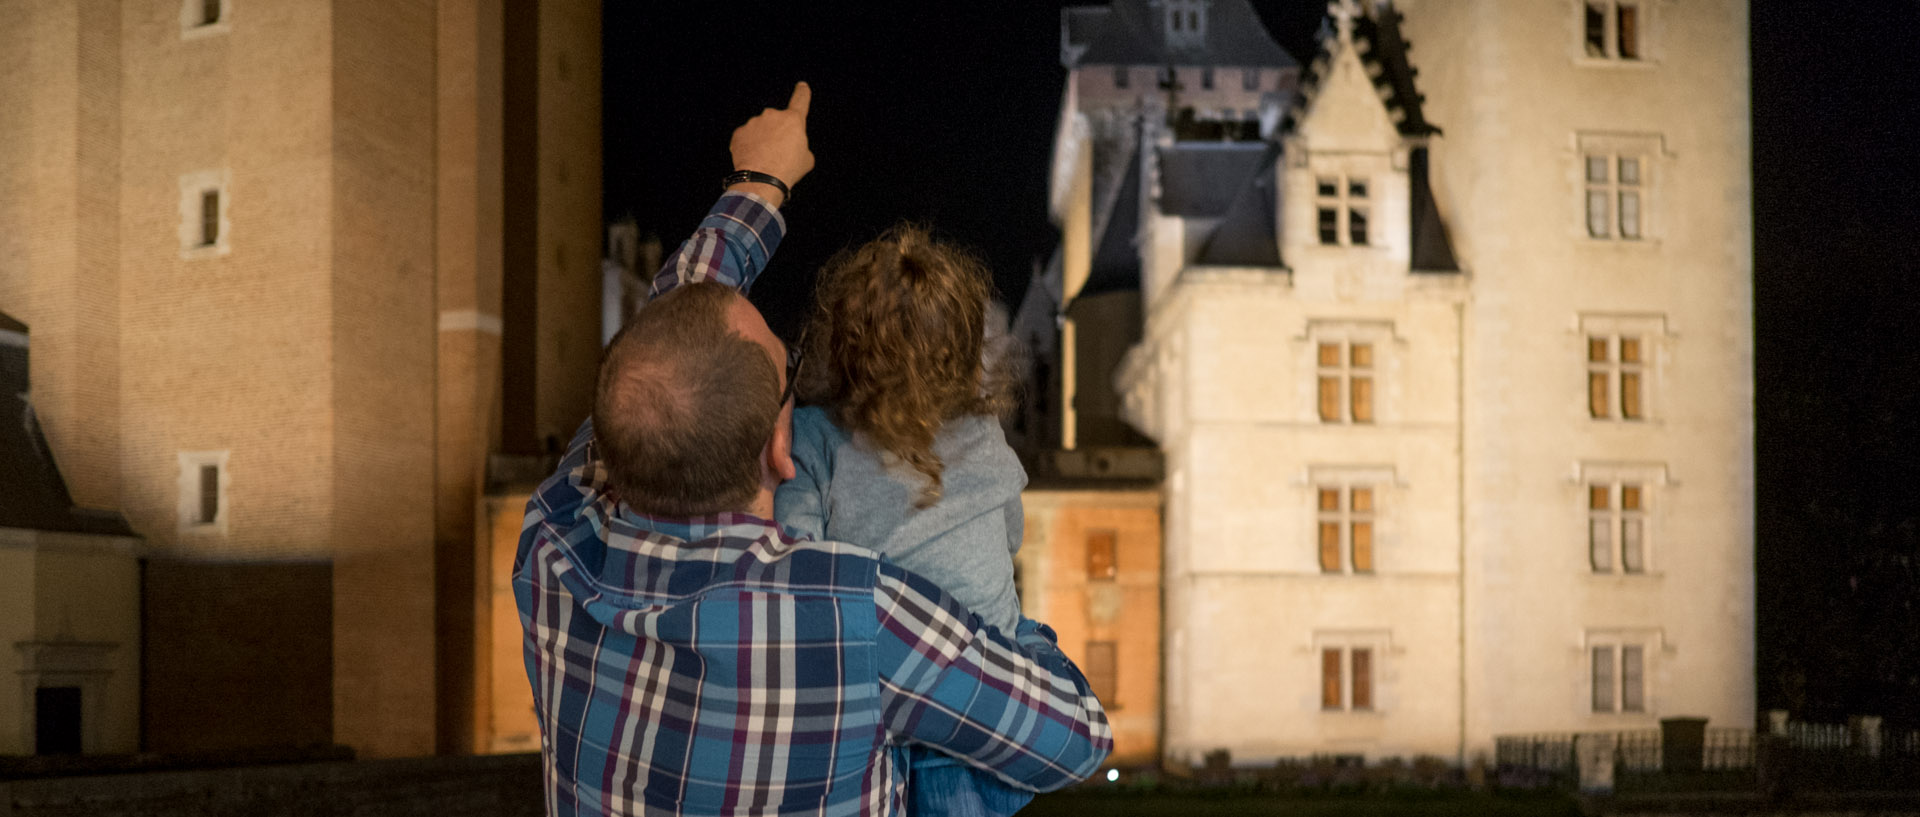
{"type": "Point", "coordinates": [742, 230]}
{"type": "Point", "coordinates": [1018, 709]}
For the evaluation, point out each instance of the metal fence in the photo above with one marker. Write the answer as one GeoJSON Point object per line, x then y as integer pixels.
{"type": "Point", "coordinates": [1805, 756]}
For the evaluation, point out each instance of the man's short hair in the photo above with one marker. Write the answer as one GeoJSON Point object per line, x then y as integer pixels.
{"type": "Point", "coordinates": [684, 406]}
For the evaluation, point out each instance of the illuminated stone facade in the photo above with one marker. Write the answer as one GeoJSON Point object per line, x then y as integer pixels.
{"type": "Point", "coordinates": [1453, 377]}
{"type": "Point", "coordinates": [261, 246]}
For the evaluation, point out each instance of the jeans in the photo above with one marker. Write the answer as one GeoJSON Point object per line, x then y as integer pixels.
{"type": "Point", "coordinates": [944, 787]}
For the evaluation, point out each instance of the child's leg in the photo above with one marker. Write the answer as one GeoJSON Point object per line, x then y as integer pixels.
{"type": "Point", "coordinates": [944, 787]}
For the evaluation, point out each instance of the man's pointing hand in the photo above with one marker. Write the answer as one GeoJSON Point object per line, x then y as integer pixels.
{"type": "Point", "coordinates": [775, 143]}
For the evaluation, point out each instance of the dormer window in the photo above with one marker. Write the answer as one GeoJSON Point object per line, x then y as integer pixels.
{"type": "Point", "coordinates": [1186, 23]}
{"type": "Point", "coordinates": [1341, 204]}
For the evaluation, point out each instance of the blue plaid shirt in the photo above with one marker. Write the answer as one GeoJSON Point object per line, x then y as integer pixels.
{"type": "Point", "coordinates": [722, 665]}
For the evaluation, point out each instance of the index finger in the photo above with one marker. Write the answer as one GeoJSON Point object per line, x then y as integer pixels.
{"type": "Point", "coordinates": [802, 99]}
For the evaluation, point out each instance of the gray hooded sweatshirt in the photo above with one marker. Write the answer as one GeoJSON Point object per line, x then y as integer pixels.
{"type": "Point", "coordinates": [846, 490]}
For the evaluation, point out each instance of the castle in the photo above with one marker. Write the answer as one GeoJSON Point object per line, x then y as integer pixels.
{"type": "Point", "coordinates": [1448, 352]}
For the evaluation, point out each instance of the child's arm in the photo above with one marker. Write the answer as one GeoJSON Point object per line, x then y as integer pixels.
{"type": "Point", "coordinates": [801, 503]}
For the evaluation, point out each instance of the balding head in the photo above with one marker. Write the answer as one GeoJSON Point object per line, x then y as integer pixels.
{"type": "Point", "coordinates": [688, 399]}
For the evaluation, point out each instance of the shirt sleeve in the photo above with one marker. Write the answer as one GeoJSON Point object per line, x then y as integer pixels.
{"type": "Point", "coordinates": [731, 245]}
{"type": "Point", "coordinates": [1016, 708]}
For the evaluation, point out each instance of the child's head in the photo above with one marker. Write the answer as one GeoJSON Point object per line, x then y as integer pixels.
{"type": "Point", "coordinates": [896, 344]}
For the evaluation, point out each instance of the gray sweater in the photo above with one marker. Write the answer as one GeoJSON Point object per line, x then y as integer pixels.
{"type": "Point", "coordinates": [847, 491]}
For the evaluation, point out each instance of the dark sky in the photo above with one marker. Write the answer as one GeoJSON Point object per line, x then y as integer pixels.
{"type": "Point", "coordinates": [944, 113]}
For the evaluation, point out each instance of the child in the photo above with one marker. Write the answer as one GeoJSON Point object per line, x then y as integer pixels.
{"type": "Point", "coordinates": [906, 457]}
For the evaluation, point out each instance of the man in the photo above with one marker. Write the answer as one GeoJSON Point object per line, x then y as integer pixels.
{"type": "Point", "coordinates": [687, 655]}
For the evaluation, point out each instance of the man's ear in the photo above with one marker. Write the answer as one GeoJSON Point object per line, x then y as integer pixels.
{"type": "Point", "coordinates": [777, 457]}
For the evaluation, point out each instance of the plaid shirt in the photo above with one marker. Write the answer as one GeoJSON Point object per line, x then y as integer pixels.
{"type": "Point", "coordinates": [721, 665]}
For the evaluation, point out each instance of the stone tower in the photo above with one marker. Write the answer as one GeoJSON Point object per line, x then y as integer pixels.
{"type": "Point", "coordinates": [272, 252]}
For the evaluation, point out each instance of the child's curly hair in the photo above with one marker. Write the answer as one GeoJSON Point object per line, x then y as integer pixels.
{"type": "Point", "coordinates": [897, 345]}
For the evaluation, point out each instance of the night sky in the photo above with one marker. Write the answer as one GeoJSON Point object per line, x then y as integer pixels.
{"type": "Point", "coordinates": [944, 114]}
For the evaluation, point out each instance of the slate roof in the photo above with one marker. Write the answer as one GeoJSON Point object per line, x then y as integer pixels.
{"type": "Point", "coordinates": [1201, 179]}
{"type": "Point", "coordinates": [33, 495]}
{"type": "Point", "coordinates": [1130, 33]}
{"type": "Point", "coordinates": [1383, 51]}
{"type": "Point", "coordinates": [1116, 261]}
{"type": "Point", "coordinates": [1246, 235]}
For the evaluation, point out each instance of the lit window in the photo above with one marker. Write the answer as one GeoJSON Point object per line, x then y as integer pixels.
{"type": "Point", "coordinates": [1617, 527]}
{"type": "Point", "coordinates": [1102, 561]}
{"type": "Point", "coordinates": [1346, 678]}
{"type": "Point", "coordinates": [1346, 514]}
{"type": "Point", "coordinates": [1341, 203]}
{"type": "Point", "coordinates": [1618, 678]}
{"type": "Point", "coordinates": [1611, 29]}
{"type": "Point", "coordinates": [1616, 366]}
{"type": "Point", "coordinates": [1345, 381]}
{"type": "Point", "coordinates": [1103, 671]}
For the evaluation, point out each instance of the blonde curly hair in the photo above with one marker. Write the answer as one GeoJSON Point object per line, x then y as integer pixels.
{"type": "Point", "coordinates": [897, 346]}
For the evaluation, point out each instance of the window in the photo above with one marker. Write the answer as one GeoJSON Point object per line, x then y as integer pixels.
{"type": "Point", "coordinates": [1618, 677]}
{"type": "Point", "coordinates": [1614, 193]}
{"type": "Point", "coordinates": [1120, 76]}
{"type": "Point", "coordinates": [1616, 377]}
{"type": "Point", "coordinates": [209, 217]}
{"type": "Point", "coordinates": [1345, 381]}
{"type": "Point", "coordinates": [203, 490]}
{"type": "Point", "coordinates": [1103, 671]}
{"type": "Point", "coordinates": [199, 18]}
{"type": "Point", "coordinates": [1206, 78]}
{"type": "Point", "coordinates": [1250, 79]}
{"type": "Point", "coordinates": [1167, 79]}
{"type": "Point", "coordinates": [1612, 29]}
{"type": "Point", "coordinates": [204, 214]}
{"type": "Point", "coordinates": [1102, 564]}
{"type": "Point", "coordinates": [1346, 678]}
{"type": "Point", "coordinates": [1341, 203]}
{"type": "Point", "coordinates": [1346, 514]}
{"type": "Point", "coordinates": [1617, 527]}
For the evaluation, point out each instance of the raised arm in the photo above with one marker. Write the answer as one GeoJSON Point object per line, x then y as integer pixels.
{"type": "Point", "coordinates": [742, 230]}
{"type": "Point", "coordinates": [1017, 709]}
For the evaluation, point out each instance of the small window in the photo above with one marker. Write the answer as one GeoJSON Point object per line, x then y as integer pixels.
{"type": "Point", "coordinates": [209, 217]}
{"type": "Point", "coordinates": [1206, 78]}
{"type": "Point", "coordinates": [205, 209]}
{"type": "Point", "coordinates": [1250, 79]}
{"type": "Point", "coordinates": [1345, 370]}
{"type": "Point", "coordinates": [1120, 76]}
{"type": "Point", "coordinates": [1346, 517]}
{"type": "Point", "coordinates": [1103, 671]}
{"type": "Point", "coordinates": [1611, 30]}
{"type": "Point", "coordinates": [1341, 204]}
{"type": "Point", "coordinates": [1617, 673]}
{"type": "Point", "coordinates": [1166, 78]}
{"type": "Point", "coordinates": [1613, 199]}
{"type": "Point", "coordinates": [201, 18]}
{"type": "Point", "coordinates": [1346, 678]}
{"type": "Point", "coordinates": [1616, 360]}
{"type": "Point", "coordinates": [1102, 562]}
{"type": "Point", "coordinates": [1617, 527]}
{"type": "Point", "coordinates": [204, 498]}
